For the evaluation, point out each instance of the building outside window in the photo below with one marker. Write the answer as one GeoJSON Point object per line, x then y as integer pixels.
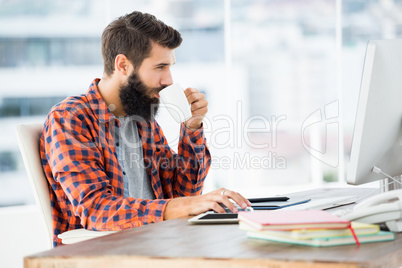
{"type": "Point", "coordinates": [281, 77]}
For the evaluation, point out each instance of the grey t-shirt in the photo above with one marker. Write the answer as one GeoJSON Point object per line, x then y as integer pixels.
{"type": "Point", "coordinates": [131, 159]}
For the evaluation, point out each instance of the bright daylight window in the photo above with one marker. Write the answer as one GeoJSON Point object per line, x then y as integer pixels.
{"type": "Point", "coordinates": [281, 77]}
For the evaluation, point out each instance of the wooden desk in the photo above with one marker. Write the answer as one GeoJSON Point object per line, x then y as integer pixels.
{"type": "Point", "coordinates": [176, 243]}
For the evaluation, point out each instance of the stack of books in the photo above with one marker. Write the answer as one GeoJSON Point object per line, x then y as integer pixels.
{"type": "Point", "coordinates": [316, 228]}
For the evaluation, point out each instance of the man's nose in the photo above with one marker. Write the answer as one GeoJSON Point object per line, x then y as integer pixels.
{"type": "Point", "coordinates": [167, 79]}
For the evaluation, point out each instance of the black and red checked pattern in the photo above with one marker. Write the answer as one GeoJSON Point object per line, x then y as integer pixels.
{"type": "Point", "coordinates": [85, 179]}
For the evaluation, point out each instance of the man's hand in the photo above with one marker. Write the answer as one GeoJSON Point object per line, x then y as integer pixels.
{"type": "Point", "coordinates": [194, 205]}
{"type": "Point", "coordinates": [199, 108]}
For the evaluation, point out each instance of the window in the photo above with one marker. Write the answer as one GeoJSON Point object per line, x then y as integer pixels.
{"type": "Point", "coordinates": [282, 79]}
{"type": "Point", "coordinates": [24, 106]}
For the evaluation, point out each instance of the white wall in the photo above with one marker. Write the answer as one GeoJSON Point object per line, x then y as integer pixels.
{"type": "Point", "coordinates": [21, 233]}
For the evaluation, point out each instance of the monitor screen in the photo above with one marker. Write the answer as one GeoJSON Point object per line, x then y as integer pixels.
{"type": "Point", "coordinates": [376, 137]}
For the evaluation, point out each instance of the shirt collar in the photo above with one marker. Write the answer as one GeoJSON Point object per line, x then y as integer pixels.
{"type": "Point", "coordinates": [98, 105]}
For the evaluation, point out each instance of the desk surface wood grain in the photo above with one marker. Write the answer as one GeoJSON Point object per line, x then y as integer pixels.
{"type": "Point", "coordinates": [176, 243]}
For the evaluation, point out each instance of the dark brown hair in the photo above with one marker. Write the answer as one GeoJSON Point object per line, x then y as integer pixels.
{"type": "Point", "coordinates": [131, 35]}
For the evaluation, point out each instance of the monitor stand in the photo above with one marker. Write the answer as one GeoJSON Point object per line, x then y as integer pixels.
{"type": "Point", "coordinates": [388, 184]}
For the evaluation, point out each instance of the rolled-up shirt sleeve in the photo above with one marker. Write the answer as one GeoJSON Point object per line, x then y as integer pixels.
{"type": "Point", "coordinates": [187, 169]}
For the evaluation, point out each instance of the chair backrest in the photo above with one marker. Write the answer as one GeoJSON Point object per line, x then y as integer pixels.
{"type": "Point", "coordinates": [28, 141]}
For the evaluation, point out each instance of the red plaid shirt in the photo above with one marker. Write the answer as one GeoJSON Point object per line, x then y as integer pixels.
{"type": "Point", "coordinates": [85, 179]}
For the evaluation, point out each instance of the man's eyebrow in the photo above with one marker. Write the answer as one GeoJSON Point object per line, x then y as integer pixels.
{"type": "Point", "coordinates": [164, 64]}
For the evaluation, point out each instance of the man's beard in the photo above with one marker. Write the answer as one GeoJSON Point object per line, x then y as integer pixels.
{"type": "Point", "coordinates": [136, 100]}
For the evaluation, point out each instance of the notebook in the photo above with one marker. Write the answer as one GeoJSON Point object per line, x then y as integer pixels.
{"type": "Point", "coordinates": [358, 227]}
{"type": "Point", "coordinates": [289, 220]}
{"type": "Point", "coordinates": [326, 241]}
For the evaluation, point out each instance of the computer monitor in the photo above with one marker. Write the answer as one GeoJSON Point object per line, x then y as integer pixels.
{"type": "Point", "coordinates": [377, 132]}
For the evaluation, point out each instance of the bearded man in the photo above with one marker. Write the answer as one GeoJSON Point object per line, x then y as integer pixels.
{"type": "Point", "coordinates": [108, 164]}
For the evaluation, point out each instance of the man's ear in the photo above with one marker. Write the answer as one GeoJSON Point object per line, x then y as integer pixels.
{"type": "Point", "coordinates": [122, 65]}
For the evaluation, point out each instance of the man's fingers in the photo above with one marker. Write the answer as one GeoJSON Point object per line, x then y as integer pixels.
{"type": "Point", "coordinates": [245, 200]}
{"type": "Point", "coordinates": [216, 201]}
{"type": "Point", "coordinates": [189, 91]}
{"type": "Point", "coordinates": [224, 200]}
{"type": "Point", "coordinates": [217, 208]}
{"type": "Point", "coordinates": [199, 105]}
{"type": "Point", "coordinates": [238, 198]}
{"type": "Point", "coordinates": [193, 95]}
{"type": "Point", "coordinates": [223, 197]}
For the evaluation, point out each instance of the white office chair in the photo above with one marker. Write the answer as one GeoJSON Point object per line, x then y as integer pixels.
{"type": "Point", "coordinates": [28, 141]}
